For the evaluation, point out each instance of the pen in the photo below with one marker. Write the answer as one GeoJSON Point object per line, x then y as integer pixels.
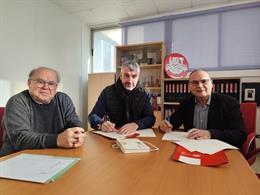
{"type": "Point", "coordinates": [107, 118]}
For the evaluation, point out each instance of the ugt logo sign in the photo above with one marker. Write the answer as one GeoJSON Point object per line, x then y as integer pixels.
{"type": "Point", "coordinates": [176, 65]}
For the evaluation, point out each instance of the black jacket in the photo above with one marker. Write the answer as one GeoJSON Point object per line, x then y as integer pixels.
{"type": "Point", "coordinates": [224, 118]}
{"type": "Point", "coordinates": [123, 106]}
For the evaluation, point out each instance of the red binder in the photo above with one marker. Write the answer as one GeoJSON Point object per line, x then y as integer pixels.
{"type": "Point", "coordinates": [196, 158]}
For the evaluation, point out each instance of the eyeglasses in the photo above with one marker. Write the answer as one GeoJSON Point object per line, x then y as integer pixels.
{"type": "Point", "coordinates": [197, 82]}
{"type": "Point", "coordinates": [40, 83]}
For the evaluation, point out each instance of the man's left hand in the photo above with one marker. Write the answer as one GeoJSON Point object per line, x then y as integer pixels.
{"type": "Point", "coordinates": [128, 128]}
{"type": "Point", "coordinates": [195, 133]}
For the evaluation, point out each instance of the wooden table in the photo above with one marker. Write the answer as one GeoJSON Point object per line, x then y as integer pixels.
{"type": "Point", "coordinates": [105, 170]}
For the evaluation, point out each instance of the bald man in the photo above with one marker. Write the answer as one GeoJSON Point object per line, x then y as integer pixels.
{"type": "Point", "coordinates": [41, 117]}
{"type": "Point", "coordinates": [207, 115]}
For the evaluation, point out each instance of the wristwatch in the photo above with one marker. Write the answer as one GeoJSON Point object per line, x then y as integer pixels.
{"type": "Point", "coordinates": [99, 126]}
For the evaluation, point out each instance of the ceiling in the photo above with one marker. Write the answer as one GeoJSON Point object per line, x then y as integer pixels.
{"type": "Point", "coordinates": [104, 13]}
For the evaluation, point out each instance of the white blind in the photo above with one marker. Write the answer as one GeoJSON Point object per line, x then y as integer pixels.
{"type": "Point", "coordinates": [240, 38]}
{"type": "Point", "coordinates": [197, 39]}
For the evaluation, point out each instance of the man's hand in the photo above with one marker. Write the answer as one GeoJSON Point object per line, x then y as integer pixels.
{"type": "Point", "coordinates": [165, 126]}
{"type": "Point", "coordinates": [108, 126]}
{"type": "Point", "coordinates": [128, 128]}
{"type": "Point", "coordinates": [71, 138]}
{"type": "Point", "coordinates": [198, 134]}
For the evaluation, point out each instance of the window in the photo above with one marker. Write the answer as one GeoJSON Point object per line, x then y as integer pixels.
{"type": "Point", "coordinates": [104, 42]}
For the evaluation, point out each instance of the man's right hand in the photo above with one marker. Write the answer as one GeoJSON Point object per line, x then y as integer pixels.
{"type": "Point", "coordinates": [165, 126]}
{"type": "Point", "coordinates": [71, 138]}
{"type": "Point", "coordinates": [108, 126]}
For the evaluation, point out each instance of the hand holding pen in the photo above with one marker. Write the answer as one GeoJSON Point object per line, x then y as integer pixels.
{"type": "Point", "coordinates": [107, 125]}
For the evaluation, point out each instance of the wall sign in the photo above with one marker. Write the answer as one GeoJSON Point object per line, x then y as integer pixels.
{"type": "Point", "coordinates": [176, 66]}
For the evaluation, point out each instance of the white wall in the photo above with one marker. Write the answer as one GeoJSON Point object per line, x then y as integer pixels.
{"type": "Point", "coordinates": [37, 33]}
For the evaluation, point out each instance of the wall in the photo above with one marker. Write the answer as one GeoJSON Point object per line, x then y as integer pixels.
{"type": "Point", "coordinates": [37, 33]}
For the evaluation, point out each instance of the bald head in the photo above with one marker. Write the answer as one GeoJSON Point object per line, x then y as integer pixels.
{"type": "Point", "coordinates": [43, 68]}
{"type": "Point", "coordinates": [200, 85]}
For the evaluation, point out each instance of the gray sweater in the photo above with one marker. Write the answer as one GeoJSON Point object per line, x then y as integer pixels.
{"type": "Point", "coordinates": [29, 125]}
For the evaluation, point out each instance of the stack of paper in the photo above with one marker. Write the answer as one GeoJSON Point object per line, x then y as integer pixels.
{"type": "Point", "coordinates": [205, 146]}
{"type": "Point", "coordinates": [35, 168]}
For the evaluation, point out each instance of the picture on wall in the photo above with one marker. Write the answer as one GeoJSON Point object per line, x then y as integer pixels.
{"type": "Point", "coordinates": [251, 92]}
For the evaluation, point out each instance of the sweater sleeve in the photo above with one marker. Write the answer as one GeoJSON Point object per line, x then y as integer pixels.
{"type": "Point", "coordinates": [98, 111]}
{"type": "Point", "coordinates": [70, 116]}
{"type": "Point", "coordinates": [18, 134]}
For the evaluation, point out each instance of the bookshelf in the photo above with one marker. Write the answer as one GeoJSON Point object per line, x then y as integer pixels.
{"type": "Point", "coordinates": [150, 58]}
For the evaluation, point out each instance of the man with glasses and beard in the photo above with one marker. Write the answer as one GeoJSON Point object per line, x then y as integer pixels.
{"type": "Point", "coordinates": [207, 115]}
{"type": "Point", "coordinates": [41, 117]}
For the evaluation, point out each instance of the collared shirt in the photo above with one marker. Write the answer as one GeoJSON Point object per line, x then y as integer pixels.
{"type": "Point", "coordinates": [200, 118]}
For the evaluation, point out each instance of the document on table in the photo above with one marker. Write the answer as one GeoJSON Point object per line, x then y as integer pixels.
{"type": "Point", "coordinates": [205, 146]}
{"type": "Point", "coordinates": [35, 168]}
{"type": "Point", "coordinates": [115, 135]}
{"type": "Point", "coordinates": [175, 136]}
{"type": "Point", "coordinates": [146, 133]}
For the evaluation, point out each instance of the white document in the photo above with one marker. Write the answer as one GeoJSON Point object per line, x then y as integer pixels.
{"type": "Point", "coordinates": [175, 136]}
{"type": "Point", "coordinates": [111, 135]}
{"type": "Point", "coordinates": [146, 133]}
{"type": "Point", "coordinates": [115, 135]}
{"type": "Point", "coordinates": [205, 146]}
{"type": "Point", "coordinates": [35, 168]}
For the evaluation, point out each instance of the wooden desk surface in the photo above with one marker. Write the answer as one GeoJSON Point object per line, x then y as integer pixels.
{"type": "Point", "coordinates": [105, 170]}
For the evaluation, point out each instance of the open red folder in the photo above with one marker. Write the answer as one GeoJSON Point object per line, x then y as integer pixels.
{"type": "Point", "coordinates": [196, 158]}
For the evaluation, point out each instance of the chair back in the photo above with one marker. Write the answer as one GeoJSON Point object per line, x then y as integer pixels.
{"type": "Point", "coordinates": [248, 111]}
{"type": "Point", "coordinates": [2, 110]}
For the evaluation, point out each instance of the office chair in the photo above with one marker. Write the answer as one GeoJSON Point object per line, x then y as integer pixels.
{"type": "Point", "coordinates": [249, 149]}
{"type": "Point", "coordinates": [2, 109]}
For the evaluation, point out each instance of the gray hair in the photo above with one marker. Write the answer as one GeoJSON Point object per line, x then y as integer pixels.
{"type": "Point", "coordinates": [131, 64]}
{"type": "Point", "coordinates": [34, 71]}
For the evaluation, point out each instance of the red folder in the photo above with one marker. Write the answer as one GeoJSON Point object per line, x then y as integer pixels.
{"type": "Point", "coordinates": [196, 158]}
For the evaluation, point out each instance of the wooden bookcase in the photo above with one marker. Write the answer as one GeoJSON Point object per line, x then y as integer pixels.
{"type": "Point", "coordinates": [150, 58]}
{"type": "Point", "coordinates": [96, 83]}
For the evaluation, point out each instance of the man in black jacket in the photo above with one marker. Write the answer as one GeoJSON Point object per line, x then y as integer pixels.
{"type": "Point", "coordinates": [207, 115]}
{"type": "Point", "coordinates": [125, 106]}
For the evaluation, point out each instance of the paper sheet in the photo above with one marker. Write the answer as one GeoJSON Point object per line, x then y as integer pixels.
{"type": "Point", "coordinates": [35, 168]}
{"type": "Point", "coordinates": [115, 135]}
{"type": "Point", "coordinates": [175, 136]}
{"type": "Point", "coordinates": [146, 133]}
{"type": "Point", "coordinates": [205, 146]}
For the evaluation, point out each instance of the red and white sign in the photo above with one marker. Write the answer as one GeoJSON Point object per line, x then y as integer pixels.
{"type": "Point", "coordinates": [176, 65]}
